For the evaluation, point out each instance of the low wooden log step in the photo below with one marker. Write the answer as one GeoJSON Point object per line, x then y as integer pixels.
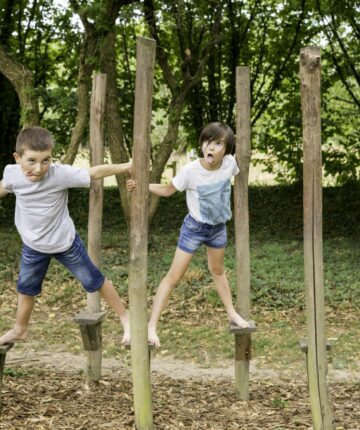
{"type": "Point", "coordinates": [304, 345]}
{"type": "Point", "coordinates": [6, 347]}
{"type": "Point", "coordinates": [151, 346]}
{"type": "Point", "coordinates": [238, 330]}
{"type": "Point", "coordinates": [90, 318]}
{"type": "Point", "coordinates": [90, 323]}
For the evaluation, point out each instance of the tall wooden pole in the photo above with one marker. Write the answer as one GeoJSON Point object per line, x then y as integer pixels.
{"type": "Point", "coordinates": [97, 109]}
{"type": "Point", "coordinates": [241, 218]}
{"type": "Point", "coordinates": [313, 246]}
{"type": "Point", "coordinates": [145, 59]}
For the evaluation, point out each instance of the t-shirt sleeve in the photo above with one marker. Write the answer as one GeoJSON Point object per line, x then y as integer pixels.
{"type": "Point", "coordinates": [181, 180]}
{"type": "Point", "coordinates": [72, 177]}
{"type": "Point", "coordinates": [236, 169]}
{"type": "Point", "coordinates": [7, 182]}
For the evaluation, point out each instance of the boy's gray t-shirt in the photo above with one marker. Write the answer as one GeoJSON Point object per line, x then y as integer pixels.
{"type": "Point", "coordinates": [41, 213]}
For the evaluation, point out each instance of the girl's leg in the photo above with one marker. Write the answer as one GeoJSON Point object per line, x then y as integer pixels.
{"type": "Point", "coordinates": [216, 267]}
{"type": "Point", "coordinates": [177, 270]}
{"type": "Point", "coordinates": [111, 297]}
{"type": "Point", "coordinates": [19, 331]}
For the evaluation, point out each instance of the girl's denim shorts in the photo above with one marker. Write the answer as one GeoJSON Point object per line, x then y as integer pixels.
{"type": "Point", "coordinates": [34, 265]}
{"type": "Point", "coordinates": [193, 233]}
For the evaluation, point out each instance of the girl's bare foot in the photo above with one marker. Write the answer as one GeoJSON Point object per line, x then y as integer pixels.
{"type": "Point", "coordinates": [153, 338]}
{"type": "Point", "coordinates": [125, 321]}
{"type": "Point", "coordinates": [13, 335]}
{"type": "Point", "coordinates": [236, 319]}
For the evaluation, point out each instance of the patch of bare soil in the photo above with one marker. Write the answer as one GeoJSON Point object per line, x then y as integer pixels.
{"type": "Point", "coordinates": [46, 390]}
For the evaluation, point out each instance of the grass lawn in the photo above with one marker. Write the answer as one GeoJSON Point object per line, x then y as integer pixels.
{"type": "Point", "coordinates": [193, 326]}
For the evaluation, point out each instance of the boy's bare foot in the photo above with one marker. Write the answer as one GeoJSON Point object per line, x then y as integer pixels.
{"type": "Point", "coordinates": [125, 321]}
{"type": "Point", "coordinates": [13, 335]}
{"type": "Point", "coordinates": [153, 338]}
{"type": "Point", "coordinates": [238, 321]}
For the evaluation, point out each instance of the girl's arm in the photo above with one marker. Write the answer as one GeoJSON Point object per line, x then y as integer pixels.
{"type": "Point", "coordinates": [103, 170]}
{"type": "Point", "coordinates": [162, 190]}
{"type": "Point", "coordinates": [158, 189]}
{"type": "Point", "coordinates": [3, 192]}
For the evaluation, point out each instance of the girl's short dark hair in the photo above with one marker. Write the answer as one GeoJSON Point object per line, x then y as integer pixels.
{"type": "Point", "coordinates": [34, 138]}
{"type": "Point", "coordinates": [219, 130]}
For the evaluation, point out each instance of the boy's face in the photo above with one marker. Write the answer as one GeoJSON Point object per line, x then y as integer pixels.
{"type": "Point", "coordinates": [34, 164]}
{"type": "Point", "coordinates": [214, 152]}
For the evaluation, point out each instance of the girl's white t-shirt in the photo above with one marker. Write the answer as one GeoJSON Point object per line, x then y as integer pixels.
{"type": "Point", "coordinates": [41, 212]}
{"type": "Point", "coordinates": [207, 191]}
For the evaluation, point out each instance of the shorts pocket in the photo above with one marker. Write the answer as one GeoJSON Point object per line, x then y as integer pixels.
{"type": "Point", "coordinates": [193, 225]}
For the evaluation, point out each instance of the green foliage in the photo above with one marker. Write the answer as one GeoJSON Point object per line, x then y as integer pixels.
{"type": "Point", "coordinates": [267, 36]}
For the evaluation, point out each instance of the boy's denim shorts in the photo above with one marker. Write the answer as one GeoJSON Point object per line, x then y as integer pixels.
{"type": "Point", "coordinates": [34, 265]}
{"type": "Point", "coordinates": [193, 233]}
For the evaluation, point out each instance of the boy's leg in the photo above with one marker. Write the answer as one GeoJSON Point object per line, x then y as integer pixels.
{"type": "Point", "coordinates": [24, 309]}
{"type": "Point", "coordinates": [111, 297]}
{"type": "Point", "coordinates": [77, 260]}
{"type": "Point", "coordinates": [216, 267]}
{"type": "Point", "coordinates": [177, 270]}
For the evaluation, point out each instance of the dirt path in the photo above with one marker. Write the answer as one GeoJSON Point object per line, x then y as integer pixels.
{"type": "Point", "coordinates": [56, 359]}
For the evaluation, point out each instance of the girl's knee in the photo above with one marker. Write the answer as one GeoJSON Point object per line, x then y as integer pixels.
{"type": "Point", "coordinates": [171, 280]}
{"type": "Point", "coordinates": [216, 270]}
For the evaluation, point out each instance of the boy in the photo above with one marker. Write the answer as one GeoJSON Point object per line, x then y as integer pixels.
{"type": "Point", "coordinates": [208, 187]}
{"type": "Point", "coordinates": [46, 229]}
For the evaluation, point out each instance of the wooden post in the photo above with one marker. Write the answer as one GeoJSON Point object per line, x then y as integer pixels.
{"type": "Point", "coordinates": [145, 59]}
{"type": "Point", "coordinates": [97, 108]}
{"type": "Point", "coordinates": [3, 350]}
{"type": "Point", "coordinates": [241, 218]}
{"type": "Point", "coordinates": [313, 257]}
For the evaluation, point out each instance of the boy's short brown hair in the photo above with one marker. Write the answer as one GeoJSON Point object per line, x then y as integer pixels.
{"type": "Point", "coordinates": [218, 130]}
{"type": "Point", "coordinates": [34, 138]}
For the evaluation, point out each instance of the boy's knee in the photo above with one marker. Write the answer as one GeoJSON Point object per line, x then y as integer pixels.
{"type": "Point", "coordinates": [29, 290]}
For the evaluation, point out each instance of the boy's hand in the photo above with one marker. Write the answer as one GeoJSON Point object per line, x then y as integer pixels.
{"type": "Point", "coordinates": [130, 185]}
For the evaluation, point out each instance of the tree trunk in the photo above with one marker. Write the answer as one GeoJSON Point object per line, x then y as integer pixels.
{"type": "Point", "coordinates": [23, 82]}
{"type": "Point", "coordinates": [9, 122]}
{"type": "Point", "coordinates": [86, 69]}
{"type": "Point", "coordinates": [114, 127]}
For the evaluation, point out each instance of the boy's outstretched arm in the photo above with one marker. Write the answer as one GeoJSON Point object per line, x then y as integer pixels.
{"type": "Point", "coordinates": [3, 192]}
{"type": "Point", "coordinates": [104, 170]}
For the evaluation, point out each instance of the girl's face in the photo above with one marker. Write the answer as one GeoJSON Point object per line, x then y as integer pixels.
{"type": "Point", "coordinates": [214, 151]}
